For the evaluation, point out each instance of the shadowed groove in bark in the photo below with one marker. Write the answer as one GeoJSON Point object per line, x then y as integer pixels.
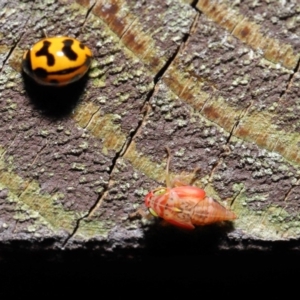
{"type": "Point", "coordinates": [145, 111]}
{"type": "Point", "coordinates": [86, 17]}
{"type": "Point", "coordinates": [90, 10]}
{"type": "Point", "coordinates": [38, 154]}
{"type": "Point", "coordinates": [226, 149]}
{"type": "Point", "coordinates": [16, 44]}
{"type": "Point", "coordinates": [12, 49]}
{"type": "Point", "coordinates": [290, 190]}
{"type": "Point", "coordinates": [236, 124]}
{"type": "Point", "coordinates": [128, 28]}
{"type": "Point", "coordinates": [290, 80]}
{"type": "Point", "coordinates": [24, 190]}
{"type": "Point", "coordinates": [166, 66]}
{"type": "Point", "coordinates": [235, 197]}
{"type": "Point", "coordinates": [194, 4]}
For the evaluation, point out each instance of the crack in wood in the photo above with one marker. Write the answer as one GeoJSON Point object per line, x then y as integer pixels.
{"type": "Point", "coordinates": [226, 148]}
{"type": "Point", "coordinates": [160, 74]}
{"type": "Point", "coordinates": [89, 11]}
{"type": "Point", "coordinates": [290, 190]}
{"type": "Point", "coordinates": [77, 224]}
{"type": "Point", "coordinates": [38, 154]}
{"type": "Point", "coordinates": [235, 197]}
{"type": "Point", "coordinates": [193, 4]}
{"type": "Point", "coordinates": [8, 146]}
{"type": "Point", "coordinates": [127, 29]}
{"type": "Point", "coordinates": [91, 119]}
{"type": "Point", "coordinates": [119, 154]}
{"type": "Point", "coordinates": [19, 196]}
{"type": "Point", "coordinates": [290, 81]}
{"type": "Point", "coordinates": [145, 111]}
{"type": "Point", "coordinates": [14, 46]}
{"type": "Point", "coordinates": [11, 51]}
{"type": "Point", "coordinates": [86, 18]}
{"type": "Point", "coordinates": [236, 124]}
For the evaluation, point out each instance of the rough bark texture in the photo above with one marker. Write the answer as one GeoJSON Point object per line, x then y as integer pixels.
{"type": "Point", "coordinates": [215, 81]}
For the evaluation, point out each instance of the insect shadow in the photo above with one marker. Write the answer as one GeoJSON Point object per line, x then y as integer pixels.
{"type": "Point", "coordinates": [165, 239]}
{"type": "Point", "coordinates": [192, 217]}
{"type": "Point", "coordinates": [55, 102]}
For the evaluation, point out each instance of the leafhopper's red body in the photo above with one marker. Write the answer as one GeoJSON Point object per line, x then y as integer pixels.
{"type": "Point", "coordinates": [184, 205]}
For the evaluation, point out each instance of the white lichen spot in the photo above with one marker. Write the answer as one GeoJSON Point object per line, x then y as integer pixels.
{"type": "Point", "coordinates": [124, 97]}
{"type": "Point", "coordinates": [180, 152]}
{"type": "Point", "coordinates": [135, 175]}
{"type": "Point", "coordinates": [237, 187]}
{"type": "Point", "coordinates": [44, 133]}
{"type": "Point", "coordinates": [168, 117]}
{"type": "Point", "coordinates": [78, 167]}
{"type": "Point", "coordinates": [140, 192]}
{"type": "Point", "coordinates": [124, 187]}
{"type": "Point", "coordinates": [82, 179]}
{"type": "Point", "coordinates": [102, 99]}
{"type": "Point", "coordinates": [31, 228]}
{"type": "Point", "coordinates": [84, 145]}
{"type": "Point", "coordinates": [181, 123]}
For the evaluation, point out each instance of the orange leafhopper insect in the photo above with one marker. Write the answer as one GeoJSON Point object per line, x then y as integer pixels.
{"type": "Point", "coordinates": [185, 205]}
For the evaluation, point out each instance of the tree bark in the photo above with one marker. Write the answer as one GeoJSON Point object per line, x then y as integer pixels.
{"type": "Point", "coordinates": [215, 82]}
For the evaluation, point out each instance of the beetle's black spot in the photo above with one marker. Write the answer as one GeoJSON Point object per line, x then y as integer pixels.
{"type": "Point", "coordinates": [81, 46]}
{"type": "Point", "coordinates": [40, 72]}
{"type": "Point", "coordinates": [67, 50]}
{"type": "Point", "coordinates": [44, 51]}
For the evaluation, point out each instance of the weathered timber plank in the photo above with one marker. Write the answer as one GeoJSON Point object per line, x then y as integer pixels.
{"type": "Point", "coordinates": [217, 83]}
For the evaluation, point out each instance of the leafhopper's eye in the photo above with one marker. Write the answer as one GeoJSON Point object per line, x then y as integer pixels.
{"type": "Point", "coordinates": [159, 192]}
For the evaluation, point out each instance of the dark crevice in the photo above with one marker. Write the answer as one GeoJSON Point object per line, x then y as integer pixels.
{"type": "Point", "coordinates": [86, 17]}
{"type": "Point", "coordinates": [236, 25]}
{"type": "Point", "coordinates": [226, 150]}
{"type": "Point", "coordinates": [290, 190]}
{"type": "Point", "coordinates": [89, 10]}
{"type": "Point", "coordinates": [38, 154]}
{"type": "Point", "coordinates": [194, 4]}
{"type": "Point", "coordinates": [144, 111]}
{"type": "Point", "coordinates": [235, 197]}
{"type": "Point", "coordinates": [127, 29]}
{"type": "Point", "coordinates": [11, 51]}
{"type": "Point", "coordinates": [215, 166]}
{"type": "Point", "coordinates": [236, 124]}
{"type": "Point", "coordinates": [74, 230]}
{"type": "Point", "coordinates": [232, 130]}
{"type": "Point", "coordinates": [166, 66]}
{"type": "Point", "coordinates": [14, 47]}
{"type": "Point", "coordinates": [290, 80]}
{"type": "Point", "coordinates": [118, 154]}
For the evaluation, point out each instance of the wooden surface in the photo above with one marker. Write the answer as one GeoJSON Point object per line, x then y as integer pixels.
{"type": "Point", "coordinates": [215, 81]}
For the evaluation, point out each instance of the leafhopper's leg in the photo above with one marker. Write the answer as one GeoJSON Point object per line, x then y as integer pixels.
{"type": "Point", "coordinates": [168, 180]}
{"type": "Point", "coordinates": [140, 213]}
{"type": "Point", "coordinates": [195, 175]}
